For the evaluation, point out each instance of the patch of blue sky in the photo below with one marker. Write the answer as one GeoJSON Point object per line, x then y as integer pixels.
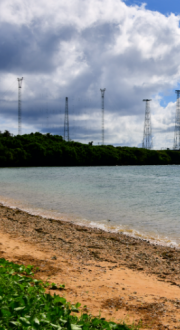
{"type": "Point", "coordinates": [165, 7]}
{"type": "Point", "coordinates": [166, 99]}
{"type": "Point", "coordinates": [169, 96]}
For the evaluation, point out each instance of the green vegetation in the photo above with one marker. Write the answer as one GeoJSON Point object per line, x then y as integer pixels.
{"type": "Point", "coordinates": [36, 149]}
{"type": "Point", "coordinates": [24, 305]}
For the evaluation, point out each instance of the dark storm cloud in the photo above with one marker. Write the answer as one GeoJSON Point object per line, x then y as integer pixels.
{"type": "Point", "coordinates": [98, 38]}
{"type": "Point", "coordinates": [29, 49]}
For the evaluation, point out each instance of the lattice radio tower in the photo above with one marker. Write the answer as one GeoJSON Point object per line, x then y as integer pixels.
{"type": "Point", "coordinates": [147, 134]}
{"type": "Point", "coordinates": [102, 106]}
{"type": "Point", "coordinates": [19, 104]}
{"type": "Point", "coordinates": [176, 145]}
{"type": "Point", "coordinates": [66, 121]}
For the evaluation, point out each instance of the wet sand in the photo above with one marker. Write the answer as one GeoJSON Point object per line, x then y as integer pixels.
{"type": "Point", "coordinates": [114, 275]}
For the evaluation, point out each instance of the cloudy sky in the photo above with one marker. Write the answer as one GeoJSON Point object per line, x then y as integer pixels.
{"type": "Point", "coordinates": [73, 48]}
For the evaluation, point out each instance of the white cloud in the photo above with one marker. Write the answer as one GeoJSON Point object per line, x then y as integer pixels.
{"type": "Point", "coordinates": [76, 47]}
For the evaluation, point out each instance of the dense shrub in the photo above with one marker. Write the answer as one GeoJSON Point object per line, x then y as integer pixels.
{"type": "Point", "coordinates": [36, 149]}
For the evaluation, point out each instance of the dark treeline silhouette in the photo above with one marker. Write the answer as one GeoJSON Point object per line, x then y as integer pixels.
{"type": "Point", "coordinates": [36, 149]}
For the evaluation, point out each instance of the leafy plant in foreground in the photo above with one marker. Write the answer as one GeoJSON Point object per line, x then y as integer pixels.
{"type": "Point", "coordinates": [24, 305]}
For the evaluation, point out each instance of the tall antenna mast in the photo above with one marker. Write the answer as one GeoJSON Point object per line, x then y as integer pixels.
{"type": "Point", "coordinates": [176, 145]}
{"type": "Point", "coordinates": [102, 106]}
{"type": "Point", "coordinates": [19, 104]}
{"type": "Point", "coordinates": [147, 135]}
{"type": "Point", "coordinates": [66, 121]}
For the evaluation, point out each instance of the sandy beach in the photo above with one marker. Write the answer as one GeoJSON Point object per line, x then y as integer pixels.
{"type": "Point", "coordinates": [112, 275]}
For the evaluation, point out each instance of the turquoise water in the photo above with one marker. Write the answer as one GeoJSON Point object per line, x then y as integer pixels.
{"type": "Point", "coordinates": [139, 200]}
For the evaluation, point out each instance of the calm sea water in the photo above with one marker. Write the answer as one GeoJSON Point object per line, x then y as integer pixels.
{"type": "Point", "coordinates": [140, 200]}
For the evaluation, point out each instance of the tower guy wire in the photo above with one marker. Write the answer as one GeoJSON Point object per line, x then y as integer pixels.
{"type": "Point", "coordinates": [19, 104]}
{"type": "Point", "coordinates": [176, 145]}
{"type": "Point", "coordinates": [66, 121]}
{"type": "Point", "coordinates": [147, 134]}
{"type": "Point", "coordinates": [102, 106]}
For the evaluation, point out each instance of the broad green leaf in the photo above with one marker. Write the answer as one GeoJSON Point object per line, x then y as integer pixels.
{"type": "Point", "coordinates": [60, 300]}
{"type": "Point", "coordinates": [24, 321]}
{"type": "Point", "coordinates": [74, 309]}
{"type": "Point", "coordinates": [112, 325]}
{"type": "Point", "coordinates": [75, 327]}
{"type": "Point", "coordinates": [77, 305]}
{"type": "Point", "coordinates": [18, 324]}
{"type": "Point", "coordinates": [96, 321]}
{"type": "Point", "coordinates": [36, 321]}
{"type": "Point", "coordinates": [45, 321]}
{"type": "Point", "coordinates": [17, 309]}
{"type": "Point", "coordinates": [63, 321]}
{"type": "Point", "coordinates": [56, 326]}
{"type": "Point", "coordinates": [5, 312]}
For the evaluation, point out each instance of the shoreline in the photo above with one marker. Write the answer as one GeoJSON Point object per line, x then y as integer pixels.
{"type": "Point", "coordinates": [67, 218]}
{"type": "Point", "coordinates": [121, 276]}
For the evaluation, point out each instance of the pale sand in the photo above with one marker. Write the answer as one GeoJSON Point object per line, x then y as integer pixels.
{"type": "Point", "coordinates": [115, 284]}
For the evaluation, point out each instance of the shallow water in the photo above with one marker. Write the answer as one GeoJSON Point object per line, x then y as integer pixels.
{"type": "Point", "coordinates": [140, 200]}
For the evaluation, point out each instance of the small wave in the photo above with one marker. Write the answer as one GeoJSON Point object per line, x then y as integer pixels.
{"type": "Point", "coordinates": [103, 225]}
{"type": "Point", "coordinates": [155, 239]}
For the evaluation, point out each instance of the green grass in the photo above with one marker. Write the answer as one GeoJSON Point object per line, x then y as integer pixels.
{"type": "Point", "coordinates": [25, 305]}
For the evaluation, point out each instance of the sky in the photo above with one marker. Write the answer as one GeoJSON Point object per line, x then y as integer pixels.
{"type": "Point", "coordinates": [73, 49]}
{"type": "Point", "coordinates": [165, 7]}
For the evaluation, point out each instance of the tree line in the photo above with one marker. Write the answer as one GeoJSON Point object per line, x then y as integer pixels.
{"type": "Point", "coordinates": [38, 149]}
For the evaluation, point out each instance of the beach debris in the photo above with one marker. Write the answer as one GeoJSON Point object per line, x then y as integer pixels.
{"type": "Point", "coordinates": [95, 247]}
